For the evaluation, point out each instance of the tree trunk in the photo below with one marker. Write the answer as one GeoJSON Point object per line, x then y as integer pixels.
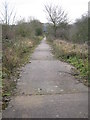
{"type": "Point", "coordinates": [55, 30]}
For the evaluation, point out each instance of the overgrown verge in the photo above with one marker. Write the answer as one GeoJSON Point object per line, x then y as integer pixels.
{"type": "Point", "coordinates": [16, 53]}
{"type": "Point", "coordinates": [75, 54]}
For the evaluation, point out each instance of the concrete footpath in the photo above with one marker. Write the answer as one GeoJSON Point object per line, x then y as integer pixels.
{"type": "Point", "coordinates": [46, 89]}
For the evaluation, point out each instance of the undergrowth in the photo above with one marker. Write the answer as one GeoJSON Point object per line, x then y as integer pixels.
{"type": "Point", "coordinates": [75, 54]}
{"type": "Point", "coordinates": [16, 53]}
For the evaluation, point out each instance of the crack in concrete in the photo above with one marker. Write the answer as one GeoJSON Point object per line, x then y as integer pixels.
{"type": "Point", "coordinates": [41, 94]}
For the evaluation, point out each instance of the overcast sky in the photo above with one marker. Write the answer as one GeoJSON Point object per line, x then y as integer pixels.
{"type": "Point", "coordinates": [35, 8]}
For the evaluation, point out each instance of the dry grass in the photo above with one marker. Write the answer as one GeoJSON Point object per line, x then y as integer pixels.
{"type": "Point", "coordinates": [16, 53]}
{"type": "Point", "coordinates": [75, 54]}
{"type": "Point", "coordinates": [70, 48]}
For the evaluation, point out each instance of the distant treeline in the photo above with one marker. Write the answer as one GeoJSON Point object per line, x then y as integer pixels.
{"type": "Point", "coordinates": [76, 32]}
{"type": "Point", "coordinates": [22, 29]}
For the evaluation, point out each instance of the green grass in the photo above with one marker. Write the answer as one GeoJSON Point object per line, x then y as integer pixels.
{"type": "Point", "coordinates": [81, 65]}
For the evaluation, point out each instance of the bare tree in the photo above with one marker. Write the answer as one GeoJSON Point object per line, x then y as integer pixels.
{"type": "Point", "coordinates": [7, 15]}
{"type": "Point", "coordinates": [55, 15]}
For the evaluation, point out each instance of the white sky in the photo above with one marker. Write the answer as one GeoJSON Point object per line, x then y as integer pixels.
{"type": "Point", "coordinates": [35, 8]}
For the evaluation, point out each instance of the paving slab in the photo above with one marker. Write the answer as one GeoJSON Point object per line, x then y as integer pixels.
{"type": "Point", "coordinates": [47, 89]}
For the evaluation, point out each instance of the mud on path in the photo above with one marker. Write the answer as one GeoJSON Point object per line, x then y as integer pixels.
{"type": "Point", "coordinates": [46, 89]}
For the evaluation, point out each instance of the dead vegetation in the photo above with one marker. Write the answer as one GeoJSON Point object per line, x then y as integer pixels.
{"type": "Point", "coordinates": [16, 53]}
{"type": "Point", "coordinates": [74, 49]}
{"type": "Point", "coordinates": [75, 54]}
